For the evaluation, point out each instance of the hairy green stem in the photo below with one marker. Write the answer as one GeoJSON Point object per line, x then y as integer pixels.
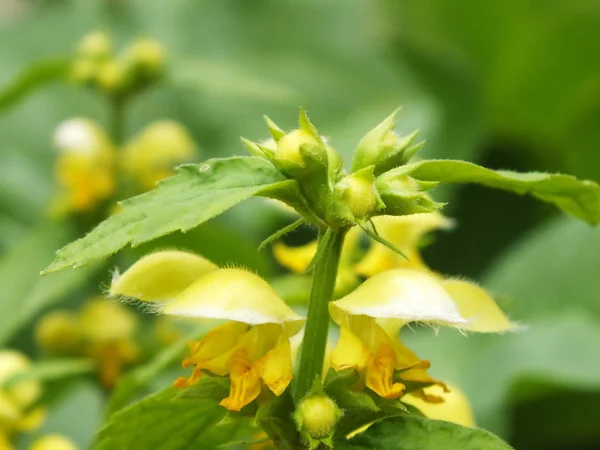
{"type": "Point", "coordinates": [317, 323]}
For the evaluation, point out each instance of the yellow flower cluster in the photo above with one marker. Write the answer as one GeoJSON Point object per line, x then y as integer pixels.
{"type": "Point", "coordinates": [251, 347]}
{"type": "Point", "coordinates": [97, 66]}
{"type": "Point", "coordinates": [399, 291]}
{"type": "Point", "coordinates": [103, 330]}
{"type": "Point", "coordinates": [18, 410]}
{"type": "Point", "coordinates": [88, 166]}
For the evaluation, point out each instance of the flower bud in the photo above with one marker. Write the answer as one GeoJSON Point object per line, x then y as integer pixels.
{"type": "Point", "coordinates": [357, 196]}
{"type": "Point", "coordinates": [95, 45]}
{"type": "Point", "coordinates": [83, 71]}
{"type": "Point", "coordinates": [53, 442]}
{"type": "Point", "coordinates": [112, 76]}
{"type": "Point", "coordinates": [147, 55]}
{"type": "Point", "coordinates": [58, 332]}
{"type": "Point", "coordinates": [288, 147]}
{"type": "Point", "coordinates": [106, 321]}
{"type": "Point", "coordinates": [316, 417]}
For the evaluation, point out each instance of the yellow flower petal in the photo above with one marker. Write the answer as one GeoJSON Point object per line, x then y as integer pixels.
{"type": "Point", "coordinates": [235, 294]}
{"type": "Point", "coordinates": [294, 258]}
{"type": "Point", "coordinates": [276, 367]}
{"type": "Point", "coordinates": [245, 383]}
{"type": "Point", "coordinates": [206, 353]}
{"type": "Point", "coordinates": [53, 442]}
{"type": "Point", "coordinates": [380, 373]}
{"type": "Point", "coordinates": [161, 276]}
{"type": "Point", "coordinates": [405, 232]}
{"type": "Point", "coordinates": [454, 408]}
{"type": "Point", "coordinates": [404, 294]}
{"type": "Point", "coordinates": [349, 352]}
{"type": "Point", "coordinates": [475, 304]}
{"type": "Point", "coordinates": [24, 393]}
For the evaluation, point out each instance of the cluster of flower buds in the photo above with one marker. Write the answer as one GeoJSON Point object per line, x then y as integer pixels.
{"type": "Point", "coordinates": [337, 198]}
{"type": "Point", "coordinates": [136, 67]}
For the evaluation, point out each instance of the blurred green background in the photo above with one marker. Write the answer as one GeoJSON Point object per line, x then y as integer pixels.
{"type": "Point", "coordinates": [511, 84]}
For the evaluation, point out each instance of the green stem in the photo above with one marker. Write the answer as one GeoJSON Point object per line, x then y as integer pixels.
{"type": "Point", "coordinates": [117, 120]}
{"type": "Point", "coordinates": [317, 323]}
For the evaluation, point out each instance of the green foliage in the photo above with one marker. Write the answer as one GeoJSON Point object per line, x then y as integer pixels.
{"type": "Point", "coordinates": [578, 198]}
{"type": "Point", "coordinates": [196, 194]}
{"type": "Point", "coordinates": [25, 293]}
{"type": "Point", "coordinates": [176, 419]}
{"type": "Point", "coordinates": [53, 369]}
{"type": "Point", "coordinates": [38, 75]}
{"type": "Point", "coordinates": [412, 432]}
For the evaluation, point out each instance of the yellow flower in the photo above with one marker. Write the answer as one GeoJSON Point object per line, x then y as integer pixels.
{"type": "Point", "coordinates": [53, 442]}
{"type": "Point", "coordinates": [455, 406]}
{"type": "Point", "coordinates": [102, 330]}
{"type": "Point", "coordinates": [16, 401]}
{"type": "Point", "coordinates": [405, 232]}
{"type": "Point", "coordinates": [84, 168]}
{"type": "Point", "coordinates": [151, 155]}
{"type": "Point", "coordinates": [371, 317]}
{"type": "Point", "coordinates": [252, 347]}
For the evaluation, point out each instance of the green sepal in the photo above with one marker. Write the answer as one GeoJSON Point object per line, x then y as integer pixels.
{"type": "Point", "coordinates": [253, 148]}
{"type": "Point", "coordinates": [276, 132]}
{"type": "Point", "coordinates": [376, 237]}
{"type": "Point", "coordinates": [404, 195]}
{"type": "Point", "coordinates": [306, 125]}
{"type": "Point", "coordinates": [281, 232]}
{"type": "Point", "coordinates": [383, 149]}
{"type": "Point", "coordinates": [274, 416]}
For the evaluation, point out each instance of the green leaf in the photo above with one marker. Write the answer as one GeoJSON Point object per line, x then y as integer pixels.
{"type": "Point", "coordinates": [53, 369]}
{"type": "Point", "coordinates": [412, 432]}
{"type": "Point", "coordinates": [275, 417]}
{"type": "Point", "coordinates": [575, 197]}
{"type": "Point", "coordinates": [167, 419]}
{"type": "Point", "coordinates": [26, 294]}
{"type": "Point", "coordinates": [197, 193]}
{"type": "Point", "coordinates": [33, 77]}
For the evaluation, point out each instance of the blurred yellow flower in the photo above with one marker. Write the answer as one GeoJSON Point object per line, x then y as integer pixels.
{"type": "Point", "coordinates": [53, 442]}
{"type": "Point", "coordinates": [405, 232]}
{"type": "Point", "coordinates": [252, 347]}
{"type": "Point", "coordinates": [455, 406]}
{"type": "Point", "coordinates": [84, 167]}
{"type": "Point", "coordinates": [17, 411]}
{"type": "Point", "coordinates": [151, 155]}
{"type": "Point", "coordinates": [102, 330]}
{"type": "Point", "coordinates": [370, 319]}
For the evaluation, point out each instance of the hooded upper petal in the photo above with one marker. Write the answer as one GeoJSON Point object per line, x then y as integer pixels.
{"type": "Point", "coordinates": [475, 304]}
{"type": "Point", "coordinates": [161, 276]}
{"type": "Point", "coordinates": [234, 294]}
{"type": "Point", "coordinates": [405, 294]}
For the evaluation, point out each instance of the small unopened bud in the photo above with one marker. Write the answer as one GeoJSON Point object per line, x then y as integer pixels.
{"type": "Point", "coordinates": [95, 45]}
{"type": "Point", "coordinates": [147, 55]}
{"type": "Point", "coordinates": [316, 417]}
{"type": "Point", "coordinates": [357, 192]}
{"type": "Point", "coordinates": [53, 442]}
{"type": "Point", "coordinates": [21, 394]}
{"type": "Point", "coordinates": [288, 147]}
{"type": "Point", "coordinates": [112, 76]}
{"type": "Point", "coordinates": [83, 71]}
